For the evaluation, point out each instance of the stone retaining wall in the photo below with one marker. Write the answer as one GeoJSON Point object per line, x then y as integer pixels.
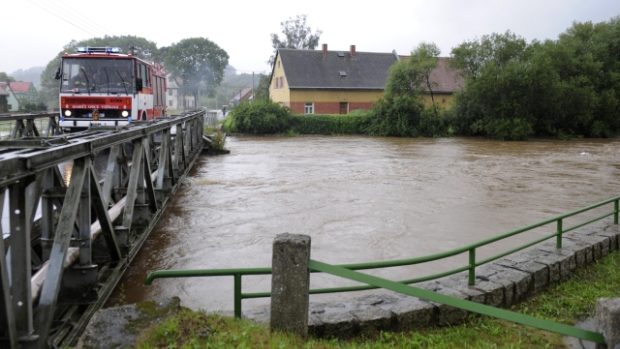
{"type": "Point", "coordinates": [502, 283]}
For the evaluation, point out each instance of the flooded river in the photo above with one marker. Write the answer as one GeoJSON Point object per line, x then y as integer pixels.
{"type": "Point", "coordinates": [361, 199]}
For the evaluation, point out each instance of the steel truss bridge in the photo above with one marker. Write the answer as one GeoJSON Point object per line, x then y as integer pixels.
{"type": "Point", "coordinates": [75, 210]}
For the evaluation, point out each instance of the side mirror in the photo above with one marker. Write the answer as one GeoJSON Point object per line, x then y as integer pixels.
{"type": "Point", "coordinates": [139, 84]}
{"type": "Point", "coordinates": [58, 74]}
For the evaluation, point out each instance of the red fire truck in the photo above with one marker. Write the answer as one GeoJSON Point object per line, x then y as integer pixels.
{"type": "Point", "coordinates": [101, 86]}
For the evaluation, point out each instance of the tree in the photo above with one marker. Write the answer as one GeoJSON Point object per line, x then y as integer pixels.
{"type": "Point", "coordinates": [297, 35]}
{"type": "Point", "coordinates": [261, 92]}
{"type": "Point", "coordinates": [471, 56]}
{"type": "Point", "coordinates": [423, 60]}
{"type": "Point", "coordinates": [199, 62]}
{"type": "Point", "coordinates": [4, 77]}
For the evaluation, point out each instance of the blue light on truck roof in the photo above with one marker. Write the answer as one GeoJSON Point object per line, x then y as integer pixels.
{"type": "Point", "coordinates": [88, 49]}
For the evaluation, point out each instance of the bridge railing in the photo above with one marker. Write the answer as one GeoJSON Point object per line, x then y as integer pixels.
{"type": "Point", "coordinates": [470, 249]}
{"type": "Point", "coordinates": [14, 126]}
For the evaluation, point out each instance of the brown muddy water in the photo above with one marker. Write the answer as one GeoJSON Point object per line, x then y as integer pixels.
{"type": "Point", "coordinates": [361, 199]}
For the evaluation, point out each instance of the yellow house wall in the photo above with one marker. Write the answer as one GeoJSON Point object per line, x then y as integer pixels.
{"type": "Point", "coordinates": [335, 96]}
{"type": "Point", "coordinates": [445, 101]}
{"type": "Point", "coordinates": [279, 95]}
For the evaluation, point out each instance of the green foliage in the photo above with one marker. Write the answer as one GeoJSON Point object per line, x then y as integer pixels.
{"type": "Point", "coordinates": [353, 123]}
{"type": "Point", "coordinates": [396, 116]}
{"type": "Point", "coordinates": [199, 62]}
{"type": "Point", "coordinates": [4, 77]}
{"type": "Point", "coordinates": [560, 88]}
{"type": "Point", "coordinates": [261, 117]}
{"type": "Point", "coordinates": [297, 35]}
{"type": "Point", "coordinates": [400, 111]}
{"type": "Point", "coordinates": [261, 93]}
{"type": "Point", "coordinates": [434, 122]}
{"type": "Point", "coordinates": [30, 107]}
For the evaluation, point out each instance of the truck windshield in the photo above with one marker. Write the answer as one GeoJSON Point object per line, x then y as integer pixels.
{"type": "Point", "coordinates": [96, 75]}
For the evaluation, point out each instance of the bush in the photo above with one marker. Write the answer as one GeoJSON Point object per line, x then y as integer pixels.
{"type": "Point", "coordinates": [433, 124]}
{"type": "Point", "coordinates": [354, 123]}
{"type": "Point", "coordinates": [511, 129]}
{"type": "Point", "coordinates": [396, 116]}
{"type": "Point", "coordinates": [263, 117]}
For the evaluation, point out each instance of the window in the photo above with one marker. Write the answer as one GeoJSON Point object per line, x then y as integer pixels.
{"type": "Point", "coordinates": [279, 82]}
{"type": "Point", "coordinates": [309, 108]}
{"type": "Point", "coordinates": [344, 107]}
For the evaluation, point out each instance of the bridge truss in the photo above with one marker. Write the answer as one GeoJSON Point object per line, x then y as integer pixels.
{"type": "Point", "coordinates": [75, 210]}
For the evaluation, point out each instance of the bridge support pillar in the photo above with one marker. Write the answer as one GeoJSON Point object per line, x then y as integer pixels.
{"type": "Point", "coordinates": [290, 284]}
{"type": "Point", "coordinates": [79, 285]}
{"type": "Point", "coordinates": [608, 320]}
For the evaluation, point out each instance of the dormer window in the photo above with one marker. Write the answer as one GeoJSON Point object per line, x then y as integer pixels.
{"type": "Point", "coordinates": [341, 54]}
{"type": "Point", "coordinates": [343, 74]}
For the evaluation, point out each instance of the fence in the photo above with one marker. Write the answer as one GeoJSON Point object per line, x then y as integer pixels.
{"type": "Point", "coordinates": [470, 249]}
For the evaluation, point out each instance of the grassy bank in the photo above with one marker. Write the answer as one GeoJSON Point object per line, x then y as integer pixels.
{"type": "Point", "coordinates": [567, 303]}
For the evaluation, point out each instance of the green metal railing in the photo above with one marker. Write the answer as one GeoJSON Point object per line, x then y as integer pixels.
{"type": "Point", "coordinates": [470, 249]}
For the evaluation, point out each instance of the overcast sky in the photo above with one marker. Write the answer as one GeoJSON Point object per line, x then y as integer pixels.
{"type": "Point", "coordinates": [34, 31]}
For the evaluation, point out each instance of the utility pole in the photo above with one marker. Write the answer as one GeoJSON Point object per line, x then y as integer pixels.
{"type": "Point", "coordinates": [252, 101]}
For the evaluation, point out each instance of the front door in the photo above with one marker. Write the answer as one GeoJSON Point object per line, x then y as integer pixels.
{"type": "Point", "coordinates": [344, 107]}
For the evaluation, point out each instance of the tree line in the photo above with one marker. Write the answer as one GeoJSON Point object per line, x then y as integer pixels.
{"type": "Point", "coordinates": [560, 88]}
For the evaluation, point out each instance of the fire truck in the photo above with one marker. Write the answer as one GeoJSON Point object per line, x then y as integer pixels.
{"type": "Point", "coordinates": [100, 86]}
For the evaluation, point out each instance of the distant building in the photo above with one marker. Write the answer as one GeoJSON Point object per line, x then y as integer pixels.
{"type": "Point", "coordinates": [338, 82]}
{"type": "Point", "coordinates": [244, 95]}
{"type": "Point", "coordinates": [24, 91]}
{"type": "Point", "coordinates": [329, 82]}
{"type": "Point", "coordinates": [175, 101]}
{"type": "Point", "coordinates": [445, 81]}
{"type": "Point", "coordinates": [8, 99]}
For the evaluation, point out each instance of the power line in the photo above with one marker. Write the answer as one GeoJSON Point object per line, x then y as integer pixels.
{"type": "Point", "coordinates": [82, 17]}
{"type": "Point", "coordinates": [48, 10]}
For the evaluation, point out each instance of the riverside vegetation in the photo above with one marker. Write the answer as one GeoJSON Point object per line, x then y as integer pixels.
{"type": "Point", "coordinates": [569, 87]}
{"type": "Point", "coordinates": [567, 303]}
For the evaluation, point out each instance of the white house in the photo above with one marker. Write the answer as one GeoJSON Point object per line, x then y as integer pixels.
{"type": "Point", "coordinates": [8, 100]}
{"type": "Point", "coordinates": [175, 102]}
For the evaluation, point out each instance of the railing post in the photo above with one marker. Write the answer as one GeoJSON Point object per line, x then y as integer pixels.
{"type": "Point", "coordinates": [238, 296]}
{"type": "Point", "coordinates": [472, 266]}
{"type": "Point", "coordinates": [616, 206]}
{"type": "Point", "coordinates": [290, 284]}
{"type": "Point", "coordinates": [558, 239]}
{"type": "Point", "coordinates": [607, 317]}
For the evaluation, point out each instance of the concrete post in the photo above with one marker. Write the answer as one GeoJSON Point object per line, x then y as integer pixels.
{"type": "Point", "coordinates": [290, 284]}
{"type": "Point", "coordinates": [608, 320]}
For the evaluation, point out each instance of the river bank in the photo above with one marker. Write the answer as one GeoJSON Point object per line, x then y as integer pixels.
{"type": "Point", "coordinates": [568, 302]}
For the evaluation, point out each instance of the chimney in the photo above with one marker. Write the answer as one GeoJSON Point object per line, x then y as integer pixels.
{"type": "Point", "coordinates": [352, 50]}
{"type": "Point", "coordinates": [324, 50]}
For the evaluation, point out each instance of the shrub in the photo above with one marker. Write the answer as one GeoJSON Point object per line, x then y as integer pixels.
{"type": "Point", "coordinates": [354, 123]}
{"type": "Point", "coordinates": [433, 124]}
{"type": "Point", "coordinates": [396, 116]}
{"type": "Point", "coordinates": [263, 117]}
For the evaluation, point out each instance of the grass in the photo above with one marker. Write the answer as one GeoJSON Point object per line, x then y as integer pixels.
{"type": "Point", "coordinates": [567, 302]}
